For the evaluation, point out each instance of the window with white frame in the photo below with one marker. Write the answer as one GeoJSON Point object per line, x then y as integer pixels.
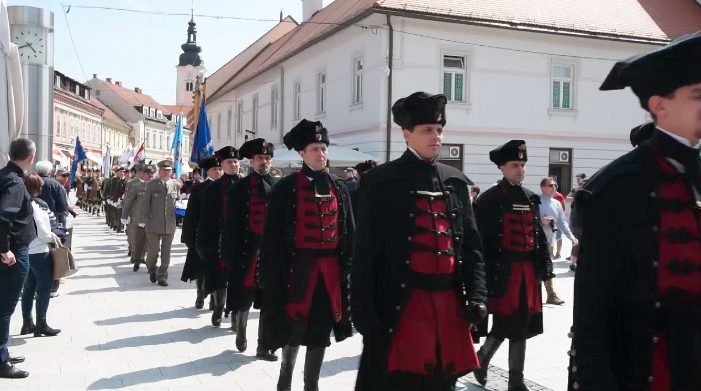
{"type": "Point", "coordinates": [218, 126]}
{"type": "Point", "coordinates": [357, 80]}
{"type": "Point", "coordinates": [239, 119]}
{"type": "Point", "coordinates": [145, 110]}
{"type": "Point", "coordinates": [254, 125]}
{"type": "Point", "coordinates": [58, 125]}
{"type": "Point", "coordinates": [228, 123]}
{"type": "Point", "coordinates": [297, 107]}
{"type": "Point", "coordinates": [274, 98]}
{"type": "Point", "coordinates": [153, 113]}
{"type": "Point", "coordinates": [321, 92]}
{"type": "Point", "coordinates": [562, 87]}
{"type": "Point", "coordinates": [454, 77]}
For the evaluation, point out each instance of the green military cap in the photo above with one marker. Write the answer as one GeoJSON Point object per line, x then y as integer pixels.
{"type": "Point", "coordinates": [148, 168]}
{"type": "Point", "coordinates": [166, 164]}
{"type": "Point", "coordinates": [62, 172]}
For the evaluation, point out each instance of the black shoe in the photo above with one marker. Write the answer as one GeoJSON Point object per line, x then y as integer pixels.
{"type": "Point", "coordinates": [136, 266]}
{"type": "Point", "coordinates": [27, 327]}
{"type": "Point", "coordinates": [199, 303]}
{"type": "Point", "coordinates": [573, 268]}
{"type": "Point", "coordinates": [266, 355]}
{"type": "Point", "coordinates": [152, 277]}
{"type": "Point", "coordinates": [129, 253]}
{"type": "Point", "coordinates": [241, 342]}
{"type": "Point", "coordinates": [216, 316]}
{"type": "Point", "coordinates": [9, 371]}
{"type": "Point", "coordinates": [44, 329]}
{"type": "Point", "coordinates": [16, 360]}
{"type": "Point", "coordinates": [163, 283]}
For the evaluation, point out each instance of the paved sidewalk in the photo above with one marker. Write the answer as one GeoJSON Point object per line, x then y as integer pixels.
{"type": "Point", "coordinates": [121, 332]}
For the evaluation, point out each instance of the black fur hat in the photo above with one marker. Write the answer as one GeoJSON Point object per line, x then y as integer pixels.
{"type": "Point", "coordinates": [305, 133]}
{"type": "Point", "coordinates": [420, 108]}
{"type": "Point", "coordinates": [255, 147]}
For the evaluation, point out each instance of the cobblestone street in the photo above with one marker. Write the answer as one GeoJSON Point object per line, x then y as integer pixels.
{"type": "Point", "coordinates": [121, 332]}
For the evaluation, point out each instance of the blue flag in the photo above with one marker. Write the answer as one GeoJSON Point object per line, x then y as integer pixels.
{"type": "Point", "coordinates": [178, 148]}
{"type": "Point", "coordinates": [202, 146]}
{"type": "Point", "coordinates": [78, 156]}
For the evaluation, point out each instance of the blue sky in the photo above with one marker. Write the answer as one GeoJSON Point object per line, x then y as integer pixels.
{"type": "Point", "coordinates": [142, 50]}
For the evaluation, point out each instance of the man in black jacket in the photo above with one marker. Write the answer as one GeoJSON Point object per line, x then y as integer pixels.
{"type": "Point", "coordinates": [16, 232]}
{"type": "Point", "coordinates": [240, 242]}
{"type": "Point", "coordinates": [517, 259]}
{"type": "Point", "coordinates": [306, 258]}
{"type": "Point", "coordinates": [418, 280]}
{"type": "Point", "coordinates": [637, 302]}
{"type": "Point", "coordinates": [195, 267]}
{"type": "Point", "coordinates": [213, 211]}
{"type": "Point", "coordinates": [53, 192]}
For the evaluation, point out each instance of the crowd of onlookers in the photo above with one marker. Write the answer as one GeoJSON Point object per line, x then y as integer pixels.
{"type": "Point", "coordinates": [33, 213]}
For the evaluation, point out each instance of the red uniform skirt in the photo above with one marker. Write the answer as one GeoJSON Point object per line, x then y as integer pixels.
{"type": "Point", "coordinates": [522, 273]}
{"type": "Point", "coordinates": [432, 337]}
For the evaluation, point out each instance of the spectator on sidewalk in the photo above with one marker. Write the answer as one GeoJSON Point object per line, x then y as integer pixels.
{"type": "Point", "coordinates": [53, 194]}
{"type": "Point", "coordinates": [581, 179]}
{"type": "Point", "coordinates": [351, 182]}
{"type": "Point", "coordinates": [41, 267]}
{"type": "Point", "coordinates": [561, 199]}
{"type": "Point", "coordinates": [475, 192]}
{"type": "Point", "coordinates": [553, 218]}
{"type": "Point", "coordinates": [16, 232]}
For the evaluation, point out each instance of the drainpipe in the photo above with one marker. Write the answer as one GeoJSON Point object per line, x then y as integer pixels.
{"type": "Point", "coordinates": [281, 99]}
{"type": "Point", "coordinates": [389, 88]}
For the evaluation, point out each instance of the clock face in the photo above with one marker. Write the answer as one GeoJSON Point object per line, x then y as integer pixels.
{"type": "Point", "coordinates": [30, 44]}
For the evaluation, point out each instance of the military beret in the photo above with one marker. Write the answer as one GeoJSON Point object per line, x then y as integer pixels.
{"type": "Point", "coordinates": [148, 168]}
{"type": "Point", "coordinates": [511, 151]}
{"type": "Point", "coordinates": [211, 161]}
{"type": "Point", "coordinates": [254, 147]}
{"type": "Point", "coordinates": [420, 108]}
{"type": "Point", "coordinates": [305, 133]}
{"type": "Point", "coordinates": [165, 164]}
{"type": "Point", "coordinates": [658, 72]}
{"type": "Point", "coordinates": [227, 152]}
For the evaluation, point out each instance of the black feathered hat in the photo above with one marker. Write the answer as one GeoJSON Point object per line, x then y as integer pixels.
{"type": "Point", "coordinates": [305, 133]}
{"type": "Point", "coordinates": [208, 162]}
{"type": "Point", "coordinates": [420, 108]}
{"type": "Point", "coordinates": [659, 72]}
{"type": "Point", "coordinates": [513, 150]}
{"type": "Point", "coordinates": [365, 166]}
{"type": "Point", "coordinates": [227, 152]}
{"type": "Point", "coordinates": [255, 147]}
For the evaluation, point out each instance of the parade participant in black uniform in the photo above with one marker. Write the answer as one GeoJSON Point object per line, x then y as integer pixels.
{"type": "Point", "coordinates": [195, 267]}
{"type": "Point", "coordinates": [418, 280]}
{"type": "Point", "coordinates": [517, 259]}
{"type": "Point", "coordinates": [119, 184]}
{"type": "Point", "coordinates": [241, 235]}
{"type": "Point", "coordinates": [213, 211]}
{"type": "Point", "coordinates": [306, 258]}
{"type": "Point", "coordinates": [360, 169]}
{"type": "Point", "coordinates": [637, 303]}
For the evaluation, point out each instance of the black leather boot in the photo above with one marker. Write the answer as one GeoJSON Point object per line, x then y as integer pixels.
{"type": "Point", "coordinates": [211, 302]}
{"type": "Point", "coordinates": [289, 358]}
{"type": "Point", "coordinates": [28, 326]}
{"type": "Point", "coordinates": [43, 328]}
{"type": "Point", "coordinates": [219, 297]}
{"type": "Point", "coordinates": [485, 354]}
{"type": "Point", "coordinates": [199, 302]}
{"type": "Point", "coordinates": [234, 323]}
{"type": "Point", "coordinates": [517, 360]}
{"type": "Point", "coordinates": [312, 368]}
{"type": "Point", "coordinates": [242, 322]}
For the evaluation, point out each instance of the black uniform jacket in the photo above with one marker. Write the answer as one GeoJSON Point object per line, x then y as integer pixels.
{"type": "Point", "coordinates": [194, 265]}
{"type": "Point", "coordinates": [489, 215]}
{"type": "Point", "coordinates": [380, 287]}
{"type": "Point", "coordinates": [616, 311]}
{"type": "Point", "coordinates": [277, 246]}
{"type": "Point", "coordinates": [238, 243]}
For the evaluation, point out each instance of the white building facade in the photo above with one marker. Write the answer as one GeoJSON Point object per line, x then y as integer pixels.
{"type": "Point", "coordinates": [503, 83]}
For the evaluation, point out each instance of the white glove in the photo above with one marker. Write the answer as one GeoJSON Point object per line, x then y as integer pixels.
{"type": "Point", "coordinates": [124, 221]}
{"type": "Point", "coordinates": [142, 225]}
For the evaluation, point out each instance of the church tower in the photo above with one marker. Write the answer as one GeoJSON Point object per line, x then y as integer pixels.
{"type": "Point", "coordinates": [190, 64]}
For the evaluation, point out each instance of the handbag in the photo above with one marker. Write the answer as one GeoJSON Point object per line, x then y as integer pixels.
{"type": "Point", "coordinates": [64, 264]}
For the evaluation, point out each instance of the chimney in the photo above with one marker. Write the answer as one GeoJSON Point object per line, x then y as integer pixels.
{"type": "Point", "coordinates": [119, 83]}
{"type": "Point", "coordinates": [94, 75]}
{"type": "Point", "coordinates": [280, 15]}
{"type": "Point", "coordinates": [137, 90]}
{"type": "Point", "coordinates": [310, 7]}
{"type": "Point", "coordinates": [109, 80]}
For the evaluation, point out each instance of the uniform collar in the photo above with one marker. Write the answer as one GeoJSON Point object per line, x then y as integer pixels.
{"type": "Point", "coordinates": [680, 139]}
{"type": "Point", "coordinates": [419, 156]}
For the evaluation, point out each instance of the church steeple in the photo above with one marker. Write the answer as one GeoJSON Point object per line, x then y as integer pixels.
{"type": "Point", "coordinates": [190, 48]}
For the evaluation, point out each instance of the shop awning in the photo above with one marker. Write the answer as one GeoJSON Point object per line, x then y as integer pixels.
{"type": "Point", "coordinates": [59, 157]}
{"type": "Point", "coordinates": [94, 159]}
